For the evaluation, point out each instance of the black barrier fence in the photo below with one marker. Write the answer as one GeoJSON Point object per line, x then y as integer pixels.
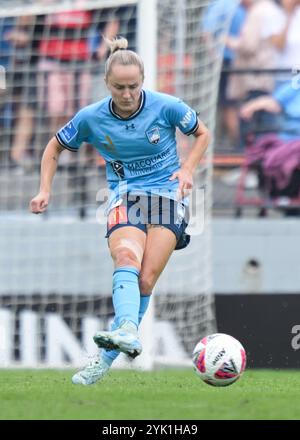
{"type": "Point", "coordinates": [268, 325]}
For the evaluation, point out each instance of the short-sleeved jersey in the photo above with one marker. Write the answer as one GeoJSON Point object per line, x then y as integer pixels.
{"type": "Point", "coordinates": [140, 151]}
{"type": "Point", "coordinates": [289, 99]}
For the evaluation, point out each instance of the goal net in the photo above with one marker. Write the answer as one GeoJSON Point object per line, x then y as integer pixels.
{"type": "Point", "coordinates": [55, 269]}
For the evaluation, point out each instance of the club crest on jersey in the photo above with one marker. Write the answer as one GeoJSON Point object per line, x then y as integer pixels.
{"type": "Point", "coordinates": [153, 135]}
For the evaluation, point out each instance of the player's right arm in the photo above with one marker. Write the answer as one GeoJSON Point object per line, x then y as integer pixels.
{"type": "Point", "coordinates": [48, 168]}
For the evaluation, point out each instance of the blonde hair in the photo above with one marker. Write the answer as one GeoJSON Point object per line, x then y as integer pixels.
{"type": "Point", "coordinates": [119, 54]}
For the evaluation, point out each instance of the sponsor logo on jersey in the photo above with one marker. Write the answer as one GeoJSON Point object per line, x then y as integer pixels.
{"type": "Point", "coordinates": [69, 131]}
{"type": "Point", "coordinates": [140, 167]}
{"type": "Point", "coordinates": [130, 127]}
{"type": "Point", "coordinates": [186, 119]}
{"type": "Point", "coordinates": [153, 135]}
{"type": "Point", "coordinates": [118, 168]}
{"type": "Point", "coordinates": [148, 164]}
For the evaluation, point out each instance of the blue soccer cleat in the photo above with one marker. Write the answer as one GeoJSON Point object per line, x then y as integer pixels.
{"type": "Point", "coordinates": [125, 338]}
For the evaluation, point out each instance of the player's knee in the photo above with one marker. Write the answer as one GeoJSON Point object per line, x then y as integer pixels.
{"type": "Point", "coordinates": [126, 257]}
{"type": "Point", "coordinates": [147, 282]}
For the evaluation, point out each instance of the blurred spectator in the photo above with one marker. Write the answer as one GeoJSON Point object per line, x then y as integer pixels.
{"type": "Point", "coordinates": [64, 52]}
{"type": "Point", "coordinates": [73, 52]}
{"type": "Point", "coordinates": [108, 23]}
{"type": "Point", "coordinates": [277, 154]}
{"type": "Point", "coordinates": [285, 102]}
{"type": "Point", "coordinates": [253, 51]}
{"type": "Point", "coordinates": [64, 65]}
{"type": "Point", "coordinates": [212, 22]}
{"type": "Point", "coordinates": [6, 51]}
{"type": "Point", "coordinates": [285, 35]}
{"type": "Point", "coordinates": [6, 25]}
{"type": "Point", "coordinates": [24, 38]}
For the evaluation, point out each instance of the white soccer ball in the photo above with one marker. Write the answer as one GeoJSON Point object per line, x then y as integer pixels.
{"type": "Point", "coordinates": [219, 359]}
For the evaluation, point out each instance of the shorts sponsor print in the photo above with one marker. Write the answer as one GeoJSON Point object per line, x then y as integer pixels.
{"type": "Point", "coordinates": [143, 210]}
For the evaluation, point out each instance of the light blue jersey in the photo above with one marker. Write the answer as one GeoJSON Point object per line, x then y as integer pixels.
{"type": "Point", "coordinates": [140, 151]}
{"type": "Point", "coordinates": [289, 99]}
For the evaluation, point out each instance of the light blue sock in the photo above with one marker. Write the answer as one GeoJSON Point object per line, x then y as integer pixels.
{"type": "Point", "coordinates": [144, 302]}
{"type": "Point", "coordinates": [111, 355]}
{"type": "Point", "coordinates": [126, 301]}
{"type": "Point", "coordinates": [126, 295]}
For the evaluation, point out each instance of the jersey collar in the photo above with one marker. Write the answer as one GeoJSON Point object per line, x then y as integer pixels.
{"type": "Point", "coordinates": [141, 106]}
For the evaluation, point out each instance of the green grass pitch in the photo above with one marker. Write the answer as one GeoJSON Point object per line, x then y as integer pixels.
{"type": "Point", "coordinates": [168, 394]}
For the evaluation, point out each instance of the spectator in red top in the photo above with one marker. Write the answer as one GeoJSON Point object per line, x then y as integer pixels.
{"type": "Point", "coordinates": [64, 53]}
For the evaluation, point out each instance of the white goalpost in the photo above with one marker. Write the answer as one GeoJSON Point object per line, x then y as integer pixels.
{"type": "Point", "coordinates": [55, 269]}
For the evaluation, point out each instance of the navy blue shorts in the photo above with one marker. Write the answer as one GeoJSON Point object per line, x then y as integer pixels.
{"type": "Point", "coordinates": [143, 210]}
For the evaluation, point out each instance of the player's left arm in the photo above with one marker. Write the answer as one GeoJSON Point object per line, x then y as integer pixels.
{"type": "Point", "coordinates": [185, 173]}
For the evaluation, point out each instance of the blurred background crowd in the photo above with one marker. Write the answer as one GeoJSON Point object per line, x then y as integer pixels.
{"type": "Point", "coordinates": [258, 113]}
{"type": "Point", "coordinates": [257, 139]}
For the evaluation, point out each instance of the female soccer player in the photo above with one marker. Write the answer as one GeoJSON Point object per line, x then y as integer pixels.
{"type": "Point", "coordinates": [134, 130]}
